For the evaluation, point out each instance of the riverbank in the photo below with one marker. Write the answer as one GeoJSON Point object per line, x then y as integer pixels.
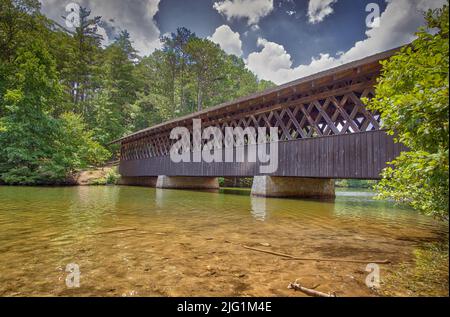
{"type": "Point", "coordinates": [94, 177]}
{"type": "Point", "coordinates": [108, 175]}
{"type": "Point", "coordinates": [426, 275]}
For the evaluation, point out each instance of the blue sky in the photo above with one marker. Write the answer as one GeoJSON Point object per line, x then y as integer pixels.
{"type": "Point", "coordinates": [280, 40]}
{"type": "Point", "coordinates": [287, 25]}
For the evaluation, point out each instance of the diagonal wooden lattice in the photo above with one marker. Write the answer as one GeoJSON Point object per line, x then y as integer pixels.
{"type": "Point", "coordinates": [334, 111]}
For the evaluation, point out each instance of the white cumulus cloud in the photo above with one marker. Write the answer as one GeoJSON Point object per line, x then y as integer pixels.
{"type": "Point", "coordinates": [228, 40]}
{"type": "Point", "coordinates": [270, 62]}
{"type": "Point", "coordinates": [319, 9]}
{"type": "Point", "coordinates": [136, 16]}
{"type": "Point", "coordinates": [398, 23]}
{"type": "Point", "coordinates": [253, 10]}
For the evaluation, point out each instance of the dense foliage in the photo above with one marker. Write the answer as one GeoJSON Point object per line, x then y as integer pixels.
{"type": "Point", "coordinates": [64, 97]}
{"type": "Point", "coordinates": [412, 97]}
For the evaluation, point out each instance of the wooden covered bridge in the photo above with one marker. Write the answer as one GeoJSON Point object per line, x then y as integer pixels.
{"type": "Point", "coordinates": [325, 132]}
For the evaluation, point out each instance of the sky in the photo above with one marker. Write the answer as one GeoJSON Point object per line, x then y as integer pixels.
{"type": "Point", "coordinates": [279, 40]}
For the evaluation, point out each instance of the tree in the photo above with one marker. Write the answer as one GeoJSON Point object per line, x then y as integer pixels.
{"type": "Point", "coordinates": [78, 147]}
{"type": "Point", "coordinates": [36, 145]}
{"type": "Point", "coordinates": [17, 19]}
{"type": "Point", "coordinates": [18, 23]}
{"type": "Point", "coordinates": [154, 101]}
{"type": "Point", "coordinates": [153, 104]}
{"type": "Point", "coordinates": [119, 85]}
{"type": "Point", "coordinates": [84, 69]}
{"type": "Point", "coordinates": [27, 155]}
{"type": "Point", "coordinates": [178, 60]}
{"type": "Point", "coordinates": [412, 98]}
{"type": "Point", "coordinates": [237, 81]}
{"type": "Point", "coordinates": [207, 63]}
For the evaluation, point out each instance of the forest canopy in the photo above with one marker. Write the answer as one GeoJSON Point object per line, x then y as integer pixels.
{"type": "Point", "coordinates": [64, 97]}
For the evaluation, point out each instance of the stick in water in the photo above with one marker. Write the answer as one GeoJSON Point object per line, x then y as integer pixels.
{"type": "Point", "coordinates": [117, 230]}
{"type": "Point", "coordinates": [294, 258]}
{"type": "Point", "coordinates": [310, 292]}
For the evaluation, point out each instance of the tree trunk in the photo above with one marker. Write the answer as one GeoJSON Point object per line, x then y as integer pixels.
{"type": "Point", "coordinates": [199, 96]}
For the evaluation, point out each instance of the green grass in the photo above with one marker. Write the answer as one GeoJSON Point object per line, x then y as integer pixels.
{"type": "Point", "coordinates": [428, 276]}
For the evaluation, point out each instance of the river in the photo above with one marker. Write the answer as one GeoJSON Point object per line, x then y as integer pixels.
{"type": "Point", "coordinates": [131, 241]}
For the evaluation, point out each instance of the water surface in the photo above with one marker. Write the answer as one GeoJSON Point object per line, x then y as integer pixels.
{"type": "Point", "coordinates": [131, 241]}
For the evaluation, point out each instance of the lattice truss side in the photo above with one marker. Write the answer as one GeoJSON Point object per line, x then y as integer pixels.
{"type": "Point", "coordinates": [326, 115]}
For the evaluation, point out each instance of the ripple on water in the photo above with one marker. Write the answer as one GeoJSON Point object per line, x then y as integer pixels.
{"type": "Point", "coordinates": [174, 243]}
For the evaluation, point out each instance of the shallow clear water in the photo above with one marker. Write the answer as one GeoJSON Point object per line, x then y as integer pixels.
{"type": "Point", "coordinates": [131, 241]}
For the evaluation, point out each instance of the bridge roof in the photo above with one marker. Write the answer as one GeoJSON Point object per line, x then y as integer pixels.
{"type": "Point", "coordinates": [348, 70]}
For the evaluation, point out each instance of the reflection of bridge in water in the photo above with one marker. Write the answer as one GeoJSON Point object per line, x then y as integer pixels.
{"type": "Point", "coordinates": [325, 132]}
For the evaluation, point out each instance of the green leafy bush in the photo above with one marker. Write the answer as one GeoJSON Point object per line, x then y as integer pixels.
{"type": "Point", "coordinates": [412, 98]}
{"type": "Point", "coordinates": [112, 177]}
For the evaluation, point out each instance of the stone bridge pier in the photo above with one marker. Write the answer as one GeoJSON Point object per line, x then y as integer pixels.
{"type": "Point", "coordinates": [295, 187]}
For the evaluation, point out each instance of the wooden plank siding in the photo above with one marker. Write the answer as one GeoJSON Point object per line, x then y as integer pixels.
{"type": "Point", "coordinates": [350, 156]}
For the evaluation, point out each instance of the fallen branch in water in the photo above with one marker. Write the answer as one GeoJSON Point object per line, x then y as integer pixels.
{"type": "Point", "coordinates": [116, 230]}
{"type": "Point", "coordinates": [269, 252]}
{"type": "Point", "coordinates": [341, 260]}
{"type": "Point", "coordinates": [294, 258]}
{"type": "Point", "coordinates": [310, 292]}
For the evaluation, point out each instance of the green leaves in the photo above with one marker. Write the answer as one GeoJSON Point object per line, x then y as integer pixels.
{"type": "Point", "coordinates": [35, 146]}
{"type": "Point", "coordinates": [63, 96]}
{"type": "Point", "coordinates": [412, 98]}
{"type": "Point", "coordinates": [78, 145]}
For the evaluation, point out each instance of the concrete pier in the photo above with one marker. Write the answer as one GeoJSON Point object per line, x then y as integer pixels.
{"type": "Point", "coordinates": [179, 182]}
{"type": "Point", "coordinates": [295, 187]}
